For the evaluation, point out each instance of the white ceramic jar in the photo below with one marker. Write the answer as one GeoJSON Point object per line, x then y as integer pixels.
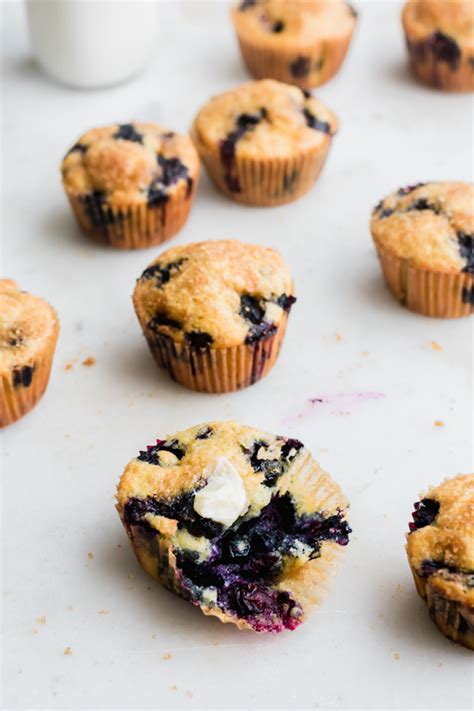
{"type": "Point", "coordinates": [92, 43]}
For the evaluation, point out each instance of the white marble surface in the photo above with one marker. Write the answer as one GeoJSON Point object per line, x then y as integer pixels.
{"type": "Point", "coordinates": [371, 645]}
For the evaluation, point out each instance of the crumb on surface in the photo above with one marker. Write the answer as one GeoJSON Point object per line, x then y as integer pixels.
{"type": "Point", "coordinates": [90, 556]}
{"type": "Point", "coordinates": [41, 620]}
{"type": "Point", "coordinates": [338, 337]}
{"type": "Point", "coordinates": [399, 588]}
{"type": "Point", "coordinates": [435, 346]}
{"type": "Point", "coordinates": [103, 612]}
{"type": "Point", "coordinates": [173, 688]}
{"type": "Point", "coordinates": [69, 366]}
{"type": "Point", "coordinates": [438, 423]}
{"type": "Point", "coordinates": [68, 651]}
{"type": "Point", "coordinates": [396, 656]}
{"type": "Point", "coordinates": [35, 631]}
{"type": "Point", "coordinates": [167, 655]}
{"type": "Point", "coordinates": [88, 362]}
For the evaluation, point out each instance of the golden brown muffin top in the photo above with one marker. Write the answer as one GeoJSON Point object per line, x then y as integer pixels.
{"type": "Point", "coordinates": [264, 119]}
{"type": "Point", "coordinates": [430, 224]}
{"type": "Point", "coordinates": [284, 24]}
{"type": "Point", "coordinates": [264, 463]}
{"type": "Point", "coordinates": [214, 294]}
{"type": "Point", "coordinates": [26, 325]}
{"type": "Point", "coordinates": [441, 543]}
{"type": "Point", "coordinates": [454, 18]}
{"type": "Point", "coordinates": [130, 164]}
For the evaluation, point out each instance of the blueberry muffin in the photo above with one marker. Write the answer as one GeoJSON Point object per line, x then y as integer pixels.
{"type": "Point", "coordinates": [131, 185]}
{"type": "Point", "coordinates": [264, 143]}
{"type": "Point", "coordinates": [243, 524]}
{"type": "Point", "coordinates": [29, 330]}
{"type": "Point", "coordinates": [300, 42]}
{"type": "Point", "coordinates": [440, 41]}
{"type": "Point", "coordinates": [440, 549]}
{"type": "Point", "coordinates": [214, 313]}
{"type": "Point", "coordinates": [424, 235]}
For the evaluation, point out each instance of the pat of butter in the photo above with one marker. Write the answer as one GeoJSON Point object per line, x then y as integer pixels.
{"type": "Point", "coordinates": [223, 499]}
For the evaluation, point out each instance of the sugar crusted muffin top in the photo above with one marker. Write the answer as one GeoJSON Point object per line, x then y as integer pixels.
{"type": "Point", "coordinates": [440, 544]}
{"type": "Point", "coordinates": [454, 19]}
{"type": "Point", "coordinates": [287, 24]}
{"type": "Point", "coordinates": [264, 119]}
{"type": "Point", "coordinates": [430, 224]}
{"type": "Point", "coordinates": [26, 324]}
{"type": "Point", "coordinates": [219, 293]}
{"type": "Point", "coordinates": [130, 164]}
{"type": "Point", "coordinates": [248, 518]}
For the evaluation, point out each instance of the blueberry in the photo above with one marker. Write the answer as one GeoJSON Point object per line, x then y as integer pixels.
{"type": "Point", "coordinates": [162, 273]}
{"type": "Point", "coordinates": [468, 296]}
{"type": "Point", "coordinates": [128, 132]}
{"type": "Point", "coordinates": [386, 212]}
{"type": "Point", "coordinates": [245, 4]}
{"type": "Point", "coordinates": [151, 455]}
{"type": "Point", "coordinates": [172, 170]}
{"type": "Point", "coordinates": [409, 188]}
{"type": "Point", "coordinates": [445, 49]}
{"type": "Point", "coordinates": [278, 26]}
{"type": "Point", "coordinates": [425, 513]}
{"type": "Point", "coordinates": [161, 319]}
{"type": "Point", "coordinates": [97, 210]}
{"type": "Point", "coordinates": [157, 194]}
{"type": "Point", "coordinates": [199, 340]}
{"type": "Point", "coordinates": [259, 333]}
{"type": "Point", "coordinates": [423, 204]}
{"type": "Point", "coordinates": [205, 433]}
{"type": "Point", "coordinates": [252, 309]}
{"type": "Point", "coordinates": [77, 148]}
{"type": "Point", "coordinates": [291, 448]}
{"type": "Point", "coordinates": [300, 67]}
{"type": "Point", "coordinates": [22, 376]}
{"type": "Point", "coordinates": [466, 248]}
{"type": "Point", "coordinates": [244, 123]}
{"type": "Point", "coordinates": [315, 123]}
{"type": "Point", "coordinates": [286, 301]}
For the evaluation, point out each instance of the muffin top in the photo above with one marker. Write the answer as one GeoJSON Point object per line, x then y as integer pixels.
{"type": "Point", "coordinates": [26, 325]}
{"type": "Point", "coordinates": [288, 23]}
{"type": "Point", "coordinates": [441, 540]}
{"type": "Point", "coordinates": [454, 18]}
{"type": "Point", "coordinates": [263, 119]}
{"type": "Point", "coordinates": [129, 164]}
{"type": "Point", "coordinates": [247, 517]}
{"type": "Point", "coordinates": [430, 224]}
{"type": "Point", "coordinates": [214, 294]}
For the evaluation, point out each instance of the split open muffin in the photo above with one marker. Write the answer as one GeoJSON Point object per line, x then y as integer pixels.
{"type": "Point", "coordinates": [131, 185]}
{"type": "Point", "coordinates": [243, 524]}
{"type": "Point", "coordinates": [214, 313]}
{"type": "Point", "coordinates": [265, 142]}
{"type": "Point", "coordinates": [29, 329]}
{"type": "Point", "coordinates": [302, 42]}
{"type": "Point", "coordinates": [440, 549]}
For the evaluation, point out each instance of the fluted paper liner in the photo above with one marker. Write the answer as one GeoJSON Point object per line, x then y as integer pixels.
{"type": "Point", "coordinates": [266, 182]}
{"type": "Point", "coordinates": [429, 70]}
{"type": "Point", "coordinates": [17, 401]}
{"type": "Point", "coordinates": [136, 226]}
{"type": "Point", "coordinates": [217, 370]}
{"type": "Point", "coordinates": [324, 59]}
{"type": "Point", "coordinates": [307, 584]}
{"type": "Point", "coordinates": [426, 292]}
{"type": "Point", "coordinates": [453, 619]}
